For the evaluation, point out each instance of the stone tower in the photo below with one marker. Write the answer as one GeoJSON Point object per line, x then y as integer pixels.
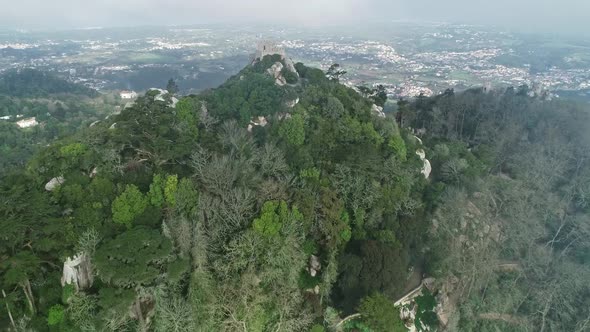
{"type": "Point", "coordinates": [268, 47]}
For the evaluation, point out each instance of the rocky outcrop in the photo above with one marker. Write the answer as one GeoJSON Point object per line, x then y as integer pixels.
{"type": "Point", "coordinates": [314, 265]}
{"type": "Point", "coordinates": [292, 103]}
{"type": "Point", "coordinates": [290, 66]}
{"type": "Point", "coordinates": [93, 173]}
{"type": "Point", "coordinates": [270, 48]}
{"type": "Point", "coordinates": [275, 72]}
{"type": "Point", "coordinates": [378, 110]}
{"type": "Point", "coordinates": [54, 183]}
{"type": "Point", "coordinates": [257, 122]}
{"type": "Point", "coordinates": [426, 167]}
{"type": "Point", "coordinates": [165, 96]}
{"type": "Point", "coordinates": [77, 271]}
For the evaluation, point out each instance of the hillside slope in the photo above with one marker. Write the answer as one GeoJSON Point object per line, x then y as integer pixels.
{"type": "Point", "coordinates": [37, 108]}
{"type": "Point", "coordinates": [30, 82]}
{"type": "Point", "coordinates": [285, 201]}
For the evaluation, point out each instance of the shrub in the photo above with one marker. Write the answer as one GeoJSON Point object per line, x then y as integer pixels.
{"type": "Point", "coordinates": [55, 315]}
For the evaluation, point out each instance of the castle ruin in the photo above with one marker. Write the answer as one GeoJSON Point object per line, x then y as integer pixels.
{"type": "Point", "coordinates": [268, 47]}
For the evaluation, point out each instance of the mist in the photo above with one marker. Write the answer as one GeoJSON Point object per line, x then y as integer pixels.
{"type": "Point", "coordinates": [566, 16]}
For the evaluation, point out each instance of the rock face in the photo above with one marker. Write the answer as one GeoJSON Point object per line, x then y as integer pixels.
{"type": "Point", "coordinates": [161, 97]}
{"type": "Point", "coordinates": [54, 183]}
{"type": "Point", "coordinates": [94, 172]}
{"type": "Point", "coordinates": [77, 271]}
{"type": "Point", "coordinates": [314, 265]}
{"type": "Point", "coordinates": [267, 47]}
{"type": "Point", "coordinates": [426, 167]}
{"type": "Point", "coordinates": [421, 154]}
{"type": "Point", "coordinates": [292, 103]}
{"type": "Point", "coordinates": [259, 121]}
{"type": "Point", "coordinates": [290, 65]}
{"type": "Point", "coordinates": [408, 315]}
{"type": "Point", "coordinates": [378, 110]}
{"type": "Point", "coordinates": [275, 72]}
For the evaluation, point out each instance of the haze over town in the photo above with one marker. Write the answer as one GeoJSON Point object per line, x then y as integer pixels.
{"type": "Point", "coordinates": [567, 16]}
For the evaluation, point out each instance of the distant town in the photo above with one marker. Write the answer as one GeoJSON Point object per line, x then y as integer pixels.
{"type": "Point", "coordinates": [408, 59]}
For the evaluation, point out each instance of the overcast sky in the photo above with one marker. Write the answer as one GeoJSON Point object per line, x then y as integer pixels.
{"type": "Point", "coordinates": [527, 15]}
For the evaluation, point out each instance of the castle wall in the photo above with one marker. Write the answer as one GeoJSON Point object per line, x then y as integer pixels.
{"type": "Point", "coordinates": [265, 48]}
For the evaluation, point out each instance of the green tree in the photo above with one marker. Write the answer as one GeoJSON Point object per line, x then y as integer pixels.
{"type": "Point", "coordinates": [398, 146]}
{"type": "Point", "coordinates": [335, 72]}
{"type": "Point", "coordinates": [186, 111]}
{"type": "Point", "coordinates": [73, 150]}
{"type": "Point", "coordinates": [289, 76]}
{"type": "Point", "coordinates": [379, 267]}
{"type": "Point", "coordinates": [129, 205]}
{"type": "Point", "coordinates": [171, 87]}
{"type": "Point", "coordinates": [425, 316]}
{"type": "Point", "coordinates": [317, 328]}
{"type": "Point", "coordinates": [170, 189]}
{"type": "Point", "coordinates": [187, 198]}
{"type": "Point", "coordinates": [380, 314]}
{"type": "Point", "coordinates": [293, 130]}
{"type": "Point", "coordinates": [156, 193]}
{"type": "Point", "coordinates": [135, 257]}
{"type": "Point", "coordinates": [163, 190]}
{"type": "Point", "coordinates": [56, 315]}
{"type": "Point", "coordinates": [270, 219]}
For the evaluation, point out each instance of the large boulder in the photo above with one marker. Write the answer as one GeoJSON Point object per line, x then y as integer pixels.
{"type": "Point", "coordinates": [314, 265]}
{"type": "Point", "coordinates": [378, 110]}
{"type": "Point", "coordinates": [54, 183]}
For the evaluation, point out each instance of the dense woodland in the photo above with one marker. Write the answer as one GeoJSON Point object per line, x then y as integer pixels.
{"type": "Point", "coordinates": [31, 82]}
{"type": "Point", "coordinates": [191, 222]}
{"type": "Point", "coordinates": [60, 107]}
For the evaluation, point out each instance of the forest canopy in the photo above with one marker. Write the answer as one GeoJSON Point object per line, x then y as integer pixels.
{"type": "Point", "coordinates": [264, 207]}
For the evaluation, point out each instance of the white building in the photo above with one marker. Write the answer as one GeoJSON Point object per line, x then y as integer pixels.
{"type": "Point", "coordinates": [28, 122]}
{"type": "Point", "coordinates": [126, 94]}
